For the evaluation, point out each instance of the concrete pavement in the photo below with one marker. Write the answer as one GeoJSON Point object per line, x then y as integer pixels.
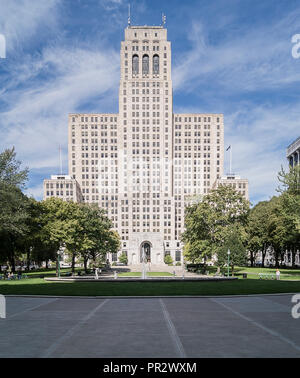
{"type": "Point", "coordinates": [253, 326]}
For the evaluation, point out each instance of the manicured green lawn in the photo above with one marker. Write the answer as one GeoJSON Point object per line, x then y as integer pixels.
{"type": "Point", "coordinates": [252, 285]}
{"type": "Point", "coordinates": [37, 286]}
{"type": "Point", "coordinates": [285, 274]}
{"type": "Point", "coordinates": [253, 273]}
{"type": "Point", "coordinates": [46, 272]}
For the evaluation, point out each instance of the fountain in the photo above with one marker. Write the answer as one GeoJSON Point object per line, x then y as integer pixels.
{"type": "Point", "coordinates": [144, 274]}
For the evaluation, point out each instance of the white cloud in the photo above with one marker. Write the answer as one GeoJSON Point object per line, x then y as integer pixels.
{"type": "Point", "coordinates": [21, 20]}
{"type": "Point", "coordinates": [36, 122]}
{"type": "Point", "coordinates": [42, 89]}
{"type": "Point", "coordinates": [112, 5]}
{"type": "Point", "coordinates": [257, 59]}
{"type": "Point", "coordinates": [35, 191]}
{"type": "Point", "coordinates": [259, 136]}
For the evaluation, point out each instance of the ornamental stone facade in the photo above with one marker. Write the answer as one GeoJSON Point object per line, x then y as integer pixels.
{"type": "Point", "coordinates": [145, 163]}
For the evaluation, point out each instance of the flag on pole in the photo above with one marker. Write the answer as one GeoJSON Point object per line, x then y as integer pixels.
{"type": "Point", "coordinates": [228, 148]}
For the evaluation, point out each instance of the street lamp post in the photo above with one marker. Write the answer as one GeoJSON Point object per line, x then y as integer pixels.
{"type": "Point", "coordinates": [58, 264]}
{"type": "Point", "coordinates": [59, 254]}
{"type": "Point", "coordinates": [144, 260]}
{"type": "Point", "coordinates": [228, 254]}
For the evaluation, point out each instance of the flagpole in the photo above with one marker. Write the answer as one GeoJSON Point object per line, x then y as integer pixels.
{"type": "Point", "coordinates": [230, 162]}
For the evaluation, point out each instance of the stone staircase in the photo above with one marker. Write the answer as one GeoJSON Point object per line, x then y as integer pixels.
{"type": "Point", "coordinates": [156, 268]}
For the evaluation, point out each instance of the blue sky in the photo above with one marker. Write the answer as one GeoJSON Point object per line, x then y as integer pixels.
{"type": "Point", "coordinates": [228, 56]}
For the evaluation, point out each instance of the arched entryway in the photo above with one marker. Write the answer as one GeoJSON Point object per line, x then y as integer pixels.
{"type": "Point", "coordinates": [145, 251]}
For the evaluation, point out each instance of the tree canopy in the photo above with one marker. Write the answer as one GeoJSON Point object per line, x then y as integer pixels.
{"type": "Point", "coordinates": [208, 222]}
{"type": "Point", "coordinates": [38, 230]}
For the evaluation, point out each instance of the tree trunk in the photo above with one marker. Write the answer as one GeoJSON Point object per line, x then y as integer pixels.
{"type": "Point", "coordinates": [28, 260]}
{"type": "Point", "coordinates": [73, 264]}
{"type": "Point", "coordinates": [12, 261]}
{"type": "Point", "coordinates": [252, 258]}
{"type": "Point", "coordinates": [46, 264]}
{"type": "Point", "coordinates": [56, 267]}
{"type": "Point", "coordinates": [293, 251]}
{"type": "Point", "coordinates": [85, 260]}
{"type": "Point", "coordinates": [276, 258]}
{"type": "Point", "coordinates": [263, 256]}
{"type": "Point", "coordinates": [232, 270]}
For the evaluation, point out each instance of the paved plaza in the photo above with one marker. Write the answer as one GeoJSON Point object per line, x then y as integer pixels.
{"type": "Point", "coordinates": [253, 326]}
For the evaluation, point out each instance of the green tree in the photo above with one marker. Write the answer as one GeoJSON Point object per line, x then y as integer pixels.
{"type": "Point", "coordinates": [123, 258]}
{"type": "Point", "coordinates": [289, 208]}
{"type": "Point", "coordinates": [289, 181]}
{"type": "Point", "coordinates": [13, 206]}
{"type": "Point", "coordinates": [30, 244]}
{"type": "Point", "coordinates": [258, 232]}
{"type": "Point", "coordinates": [96, 237]}
{"type": "Point", "coordinates": [11, 173]}
{"type": "Point", "coordinates": [206, 223]}
{"type": "Point", "coordinates": [235, 234]}
{"type": "Point", "coordinates": [62, 227]}
{"type": "Point", "coordinates": [168, 260]}
{"type": "Point", "coordinates": [197, 251]}
{"type": "Point", "coordinates": [83, 229]}
{"type": "Point", "coordinates": [284, 223]}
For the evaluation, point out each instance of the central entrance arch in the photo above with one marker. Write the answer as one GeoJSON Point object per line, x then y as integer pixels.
{"type": "Point", "coordinates": [145, 249]}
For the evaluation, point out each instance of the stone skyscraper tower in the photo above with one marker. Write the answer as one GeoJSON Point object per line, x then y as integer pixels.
{"type": "Point", "coordinates": [145, 163]}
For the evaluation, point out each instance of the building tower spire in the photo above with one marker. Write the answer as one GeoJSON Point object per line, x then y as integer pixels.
{"type": "Point", "coordinates": [229, 148]}
{"type": "Point", "coordinates": [60, 160]}
{"type": "Point", "coordinates": [129, 20]}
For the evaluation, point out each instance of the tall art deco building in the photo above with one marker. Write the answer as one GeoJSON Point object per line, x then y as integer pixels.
{"type": "Point", "coordinates": [146, 162]}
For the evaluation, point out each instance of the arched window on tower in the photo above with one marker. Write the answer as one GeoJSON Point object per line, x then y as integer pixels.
{"type": "Point", "coordinates": [135, 65]}
{"type": "Point", "coordinates": [145, 65]}
{"type": "Point", "coordinates": [155, 64]}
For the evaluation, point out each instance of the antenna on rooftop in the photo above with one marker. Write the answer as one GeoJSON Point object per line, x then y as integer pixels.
{"type": "Point", "coordinates": [60, 160]}
{"type": "Point", "coordinates": [163, 19]}
{"type": "Point", "coordinates": [129, 21]}
{"type": "Point", "coordinates": [229, 148]}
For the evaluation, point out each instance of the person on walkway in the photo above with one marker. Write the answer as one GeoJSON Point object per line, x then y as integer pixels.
{"type": "Point", "coordinates": [19, 274]}
{"type": "Point", "coordinates": [277, 274]}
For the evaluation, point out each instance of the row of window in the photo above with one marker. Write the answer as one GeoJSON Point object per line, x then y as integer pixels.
{"type": "Point", "coordinates": [95, 119]}
{"type": "Point", "coordinates": [196, 119]}
{"type": "Point", "coordinates": [145, 64]}
{"type": "Point", "coordinates": [51, 193]}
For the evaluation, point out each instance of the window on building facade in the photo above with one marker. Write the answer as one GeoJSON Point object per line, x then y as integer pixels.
{"type": "Point", "coordinates": [114, 257]}
{"type": "Point", "coordinates": [145, 65]}
{"type": "Point", "coordinates": [155, 64]}
{"type": "Point", "coordinates": [135, 65]}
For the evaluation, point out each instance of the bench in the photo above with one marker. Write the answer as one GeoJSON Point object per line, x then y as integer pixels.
{"type": "Point", "coordinates": [67, 274]}
{"type": "Point", "coordinates": [23, 276]}
{"type": "Point", "coordinates": [267, 276]}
